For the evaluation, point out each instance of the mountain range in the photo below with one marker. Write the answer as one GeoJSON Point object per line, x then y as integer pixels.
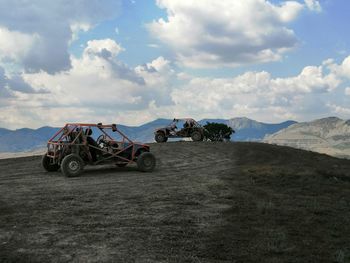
{"type": "Point", "coordinates": [32, 139]}
{"type": "Point", "coordinates": [327, 135]}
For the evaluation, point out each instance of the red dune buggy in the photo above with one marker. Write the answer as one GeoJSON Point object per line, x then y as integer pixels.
{"type": "Point", "coordinates": [77, 144]}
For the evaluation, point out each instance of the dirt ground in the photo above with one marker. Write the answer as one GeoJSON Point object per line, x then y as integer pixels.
{"type": "Point", "coordinates": [206, 202]}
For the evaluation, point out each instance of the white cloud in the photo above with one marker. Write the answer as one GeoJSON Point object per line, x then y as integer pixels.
{"type": "Point", "coordinates": [313, 5]}
{"type": "Point", "coordinates": [227, 33]}
{"type": "Point", "coordinates": [11, 84]}
{"type": "Point", "coordinates": [98, 87]}
{"type": "Point", "coordinates": [76, 28]}
{"type": "Point", "coordinates": [97, 79]}
{"type": "Point", "coordinates": [106, 48]}
{"type": "Point", "coordinates": [258, 94]}
{"type": "Point", "coordinates": [38, 32]}
{"type": "Point", "coordinates": [344, 68]}
{"type": "Point", "coordinates": [15, 45]}
{"type": "Point", "coordinates": [347, 91]}
{"type": "Point", "coordinates": [153, 45]}
{"type": "Point", "coordinates": [342, 111]}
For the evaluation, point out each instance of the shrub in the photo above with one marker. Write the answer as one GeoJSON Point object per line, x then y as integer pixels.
{"type": "Point", "coordinates": [217, 132]}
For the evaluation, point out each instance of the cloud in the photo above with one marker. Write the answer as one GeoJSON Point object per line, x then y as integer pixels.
{"type": "Point", "coordinates": [106, 48]}
{"type": "Point", "coordinates": [95, 89]}
{"type": "Point", "coordinates": [15, 83]}
{"type": "Point", "coordinates": [39, 32]}
{"type": "Point", "coordinates": [14, 45]}
{"type": "Point", "coordinates": [153, 45]}
{"type": "Point", "coordinates": [227, 33]}
{"type": "Point", "coordinates": [76, 28]}
{"type": "Point", "coordinates": [97, 79]}
{"type": "Point", "coordinates": [4, 89]}
{"type": "Point", "coordinates": [313, 5]}
{"type": "Point", "coordinates": [98, 87]}
{"type": "Point", "coordinates": [343, 69]}
{"type": "Point", "coordinates": [347, 91]}
{"type": "Point", "coordinates": [258, 94]}
{"type": "Point", "coordinates": [343, 111]}
{"type": "Point", "coordinates": [159, 77]}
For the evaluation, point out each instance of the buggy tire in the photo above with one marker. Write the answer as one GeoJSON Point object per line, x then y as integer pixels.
{"type": "Point", "coordinates": [196, 136]}
{"type": "Point", "coordinates": [160, 137]}
{"type": "Point", "coordinates": [146, 162]}
{"type": "Point", "coordinates": [49, 167]}
{"type": "Point", "coordinates": [72, 165]}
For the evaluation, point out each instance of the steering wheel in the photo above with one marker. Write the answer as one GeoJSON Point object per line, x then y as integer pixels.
{"type": "Point", "coordinates": [101, 140]}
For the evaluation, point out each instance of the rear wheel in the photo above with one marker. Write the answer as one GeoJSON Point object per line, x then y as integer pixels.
{"type": "Point", "coordinates": [160, 137]}
{"type": "Point", "coordinates": [196, 136]}
{"type": "Point", "coordinates": [72, 165]}
{"type": "Point", "coordinates": [48, 165]}
{"type": "Point", "coordinates": [146, 162]}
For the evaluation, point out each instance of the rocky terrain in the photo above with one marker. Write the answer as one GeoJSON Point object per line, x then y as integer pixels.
{"type": "Point", "coordinates": [329, 135]}
{"type": "Point", "coordinates": [205, 202]}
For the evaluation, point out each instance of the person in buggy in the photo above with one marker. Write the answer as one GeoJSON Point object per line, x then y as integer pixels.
{"type": "Point", "coordinates": [73, 147]}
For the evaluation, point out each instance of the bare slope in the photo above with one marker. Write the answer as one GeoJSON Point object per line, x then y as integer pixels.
{"type": "Point", "coordinates": [329, 135]}
{"type": "Point", "coordinates": [206, 202]}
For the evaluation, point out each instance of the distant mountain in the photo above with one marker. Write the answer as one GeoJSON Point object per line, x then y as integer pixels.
{"type": "Point", "coordinates": [25, 139]}
{"type": "Point", "coordinates": [4, 131]}
{"type": "Point", "coordinates": [28, 139]}
{"type": "Point", "coordinates": [145, 132]}
{"type": "Point", "coordinates": [328, 135]}
{"type": "Point", "coordinates": [250, 130]}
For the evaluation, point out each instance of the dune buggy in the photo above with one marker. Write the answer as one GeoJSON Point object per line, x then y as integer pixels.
{"type": "Point", "coordinates": [77, 144]}
{"type": "Point", "coordinates": [189, 128]}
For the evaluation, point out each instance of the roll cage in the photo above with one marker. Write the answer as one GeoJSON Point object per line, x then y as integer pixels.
{"type": "Point", "coordinates": [72, 138]}
{"type": "Point", "coordinates": [194, 123]}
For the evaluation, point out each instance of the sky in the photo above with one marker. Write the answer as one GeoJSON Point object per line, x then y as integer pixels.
{"type": "Point", "coordinates": [133, 61]}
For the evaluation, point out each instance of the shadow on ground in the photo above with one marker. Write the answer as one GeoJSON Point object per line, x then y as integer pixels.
{"type": "Point", "coordinates": [206, 202]}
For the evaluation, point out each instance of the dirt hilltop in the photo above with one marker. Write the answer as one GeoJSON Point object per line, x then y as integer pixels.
{"type": "Point", "coordinates": [205, 202]}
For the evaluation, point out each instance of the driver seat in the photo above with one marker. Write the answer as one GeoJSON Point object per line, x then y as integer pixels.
{"type": "Point", "coordinates": [92, 142]}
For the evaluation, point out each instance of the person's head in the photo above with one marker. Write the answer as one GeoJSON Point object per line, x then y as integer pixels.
{"type": "Point", "coordinates": [88, 132]}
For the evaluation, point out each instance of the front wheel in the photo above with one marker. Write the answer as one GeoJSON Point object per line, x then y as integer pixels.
{"type": "Point", "coordinates": [160, 137]}
{"type": "Point", "coordinates": [146, 162]}
{"type": "Point", "coordinates": [47, 165]}
{"type": "Point", "coordinates": [196, 136]}
{"type": "Point", "coordinates": [72, 165]}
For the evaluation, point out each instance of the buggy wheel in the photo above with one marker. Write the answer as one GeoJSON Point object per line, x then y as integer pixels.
{"type": "Point", "coordinates": [146, 162]}
{"type": "Point", "coordinates": [47, 165]}
{"type": "Point", "coordinates": [196, 136]}
{"type": "Point", "coordinates": [72, 165]}
{"type": "Point", "coordinates": [160, 137]}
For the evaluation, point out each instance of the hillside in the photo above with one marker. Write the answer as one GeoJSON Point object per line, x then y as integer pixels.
{"type": "Point", "coordinates": [328, 135]}
{"type": "Point", "coordinates": [205, 202]}
{"type": "Point", "coordinates": [22, 140]}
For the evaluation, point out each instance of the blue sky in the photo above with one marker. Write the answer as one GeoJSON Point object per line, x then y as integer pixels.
{"type": "Point", "coordinates": [133, 61]}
